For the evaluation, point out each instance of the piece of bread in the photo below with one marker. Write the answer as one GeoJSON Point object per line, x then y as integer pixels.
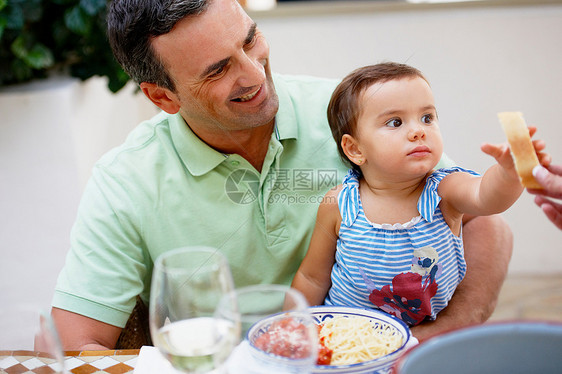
{"type": "Point", "coordinates": [522, 150]}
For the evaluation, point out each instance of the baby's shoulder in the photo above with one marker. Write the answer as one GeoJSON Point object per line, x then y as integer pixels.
{"type": "Point", "coordinates": [333, 192]}
{"type": "Point", "coordinates": [330, 199]}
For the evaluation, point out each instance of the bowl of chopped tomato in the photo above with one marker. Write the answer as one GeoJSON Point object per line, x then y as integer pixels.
{"type": "Point", "coordinates": [285, 341]}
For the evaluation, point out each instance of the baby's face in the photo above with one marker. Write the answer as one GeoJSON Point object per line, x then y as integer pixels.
{"type": "Point", "coordinates": [397, 130]}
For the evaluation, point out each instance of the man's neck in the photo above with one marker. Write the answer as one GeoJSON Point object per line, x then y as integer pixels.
{"type": "Point", "coordinates": [251, 144]}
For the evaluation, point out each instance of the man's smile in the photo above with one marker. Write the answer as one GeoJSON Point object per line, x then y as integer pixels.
{"type": "Point", "coordinates": [248, 97]}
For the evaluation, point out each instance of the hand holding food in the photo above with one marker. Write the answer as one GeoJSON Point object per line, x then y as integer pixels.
{"type": "Point", "coordinates": [521, 147]}
{"type": "Point", "coordinates": [551, 180]}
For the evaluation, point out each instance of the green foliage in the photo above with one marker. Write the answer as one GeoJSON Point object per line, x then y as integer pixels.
{"type": "Point", "coordinates": [38, 37]}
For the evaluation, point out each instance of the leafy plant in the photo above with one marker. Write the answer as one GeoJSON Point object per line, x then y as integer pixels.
{"type": "Point", "coordinates": [39, 37]}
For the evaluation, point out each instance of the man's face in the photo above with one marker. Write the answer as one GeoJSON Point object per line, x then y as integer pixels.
{"type": "Point", "coordinates": [219, 62]}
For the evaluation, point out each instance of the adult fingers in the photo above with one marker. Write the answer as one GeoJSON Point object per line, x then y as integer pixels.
{"type": "Point", "coordinates": [555, 169]}
{"type": "Point", "coordinates": [553, 212]}
{"type": "Point", "coordinates": [551, 209]}
{"type": "Point", "coordinates": [551, 183]}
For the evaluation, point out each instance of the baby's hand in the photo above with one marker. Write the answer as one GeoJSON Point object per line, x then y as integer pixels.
{"type": "Point", "coordinates": [502, 155]}
{"type": "Point", "coordinates": [540, 145]}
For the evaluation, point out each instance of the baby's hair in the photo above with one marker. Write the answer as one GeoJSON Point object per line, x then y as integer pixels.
{"type": "Point", "coordinates": [344, 108]}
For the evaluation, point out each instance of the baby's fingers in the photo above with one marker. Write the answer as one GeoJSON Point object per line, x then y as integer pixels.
{"type": "Point", "coordinates": [544, 158]}
{"type": "Point", "coordinates": [540, 145]}
{"type": "Point", "coordinates": [495, 150]}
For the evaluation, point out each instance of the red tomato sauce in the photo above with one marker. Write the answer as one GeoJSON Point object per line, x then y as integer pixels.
{"type": "Point", "coordinates": [324, 353]}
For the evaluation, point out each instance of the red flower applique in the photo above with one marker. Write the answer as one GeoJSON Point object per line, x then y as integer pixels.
{"type": "Point", "coordinates": [409, 299]}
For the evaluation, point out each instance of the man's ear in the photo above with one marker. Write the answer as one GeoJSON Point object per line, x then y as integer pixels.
{"type": "Point", "coordinates": [352, 150]}
{"type": "Point", "coordinates": [163, 98]}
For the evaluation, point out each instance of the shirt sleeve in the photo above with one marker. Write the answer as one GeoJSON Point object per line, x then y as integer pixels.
{"type": "Point", "coordinates": [107, 266]}
{"type": "Point", "coordinates": [430, 198]}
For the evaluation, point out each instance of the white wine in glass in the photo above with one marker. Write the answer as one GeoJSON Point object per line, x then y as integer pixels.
{"type": "Point", "coordinates": [188, 285]}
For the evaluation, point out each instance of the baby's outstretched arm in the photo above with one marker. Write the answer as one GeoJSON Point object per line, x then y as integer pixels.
{"type": "Point", "coordinates": [501, 185]}
{"type": "Point", "coordinates": [492, 193]}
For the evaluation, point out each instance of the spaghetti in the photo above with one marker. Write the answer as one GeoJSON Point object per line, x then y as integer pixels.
{"type": "Point", "coordinates": [358, 339]}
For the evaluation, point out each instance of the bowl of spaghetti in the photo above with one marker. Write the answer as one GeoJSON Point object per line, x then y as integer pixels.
{"type": "Point", "coordinates": [358, 340]}
{"type": "Point", "coordinates": [350, 340]}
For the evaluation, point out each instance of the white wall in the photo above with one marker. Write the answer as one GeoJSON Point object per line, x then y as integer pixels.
{"type": "Point", "coordinates": [479, 60]}
{"type": "Point", "coordinates": [51, 133]}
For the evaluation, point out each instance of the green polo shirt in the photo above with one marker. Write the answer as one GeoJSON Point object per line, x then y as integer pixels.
{"type": "Point", "coordinates": [164, 188]}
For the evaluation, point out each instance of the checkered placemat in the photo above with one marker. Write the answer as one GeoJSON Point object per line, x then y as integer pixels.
{"type": "Point", "coordinates": [85, 362]}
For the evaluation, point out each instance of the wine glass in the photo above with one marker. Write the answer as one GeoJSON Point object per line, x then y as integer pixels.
{"type": "Point", "coordinates": [278, 332]}
{"type": "Point", "coordinates": [187, 286]}
{"type": "Point", "coordinates": [47, 341]}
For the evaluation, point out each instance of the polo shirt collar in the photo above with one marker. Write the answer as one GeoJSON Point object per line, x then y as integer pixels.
{"type": "Point", "coordinates": [286, 125]}
{"type": "Point", "coordinates": [195, 154]}
{"type": "Point", "coordinates": [199, 158]}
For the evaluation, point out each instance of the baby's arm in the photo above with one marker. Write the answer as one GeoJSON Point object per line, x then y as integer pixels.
{"type": "Point", "coordinates": [313, 276]}
{"type": "Point", "coordinates": [493, 193]}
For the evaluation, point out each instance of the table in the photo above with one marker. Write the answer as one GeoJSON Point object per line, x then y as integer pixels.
{"type": "Point", "coordinates": [77, 362]}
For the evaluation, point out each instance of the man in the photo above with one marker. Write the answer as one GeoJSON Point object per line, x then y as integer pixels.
{"type": "Point", "coordinates": [236, 162]}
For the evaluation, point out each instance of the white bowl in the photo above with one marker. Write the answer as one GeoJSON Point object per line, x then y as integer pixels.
{"type": "Point", "coordinates": [500, 347]}
{"type": "Point", "coordinates": [276, 363]}
{"type": "Point", "coordinates": [381, 365]}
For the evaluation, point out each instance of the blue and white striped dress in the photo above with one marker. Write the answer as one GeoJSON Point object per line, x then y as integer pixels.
{"type": "Point", "coordinates": [409, 270]}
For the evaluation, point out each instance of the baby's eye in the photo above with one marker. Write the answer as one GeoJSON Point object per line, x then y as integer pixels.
{"type": "Point", "coordinates": [427, 119]}
{"type": "Point", "coordinates": [395, 122]}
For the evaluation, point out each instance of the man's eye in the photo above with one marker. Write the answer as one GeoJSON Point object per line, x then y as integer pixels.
{"type": "Point", "coordinates": [217, 72]}
{"type": "Point", "coordinates": [251, 43]}
{"type": "Point", "coordinates": [395, 122]}
{"type": "Point", "coordinates": [427, 119]}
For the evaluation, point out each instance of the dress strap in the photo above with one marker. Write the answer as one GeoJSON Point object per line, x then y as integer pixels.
{"type": "Point", "coordinates": [348, 198]}
{"type": "Point", "coordinates": [429, 199]}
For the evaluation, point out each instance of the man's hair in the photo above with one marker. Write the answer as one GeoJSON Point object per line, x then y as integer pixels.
{"type": "Point", "coordinates": [131, 25]}
{"type": "Point", "coordinates": [345, 107]}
